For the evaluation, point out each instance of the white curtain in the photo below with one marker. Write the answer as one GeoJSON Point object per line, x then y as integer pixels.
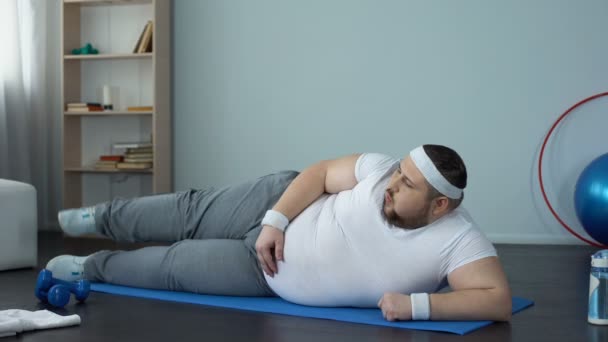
{"type": "Point", "coordinates": [28, 97]}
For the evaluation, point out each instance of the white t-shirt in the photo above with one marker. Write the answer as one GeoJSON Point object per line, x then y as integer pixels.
{"type": "Point", "coordinates": [341, 251]}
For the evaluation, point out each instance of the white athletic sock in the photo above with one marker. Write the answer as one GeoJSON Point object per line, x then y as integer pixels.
{"type": "Point", "coordinates": [67, 267]}
{"type": "Point", "coordinates": [77, 222]}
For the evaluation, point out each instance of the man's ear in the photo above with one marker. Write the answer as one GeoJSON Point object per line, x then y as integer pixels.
{"type": "Point", "coordinates": [441, 206]}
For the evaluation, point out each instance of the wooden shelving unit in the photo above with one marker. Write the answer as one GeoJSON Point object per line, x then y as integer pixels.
{"type": "Point", "coordinates": [137, 79]}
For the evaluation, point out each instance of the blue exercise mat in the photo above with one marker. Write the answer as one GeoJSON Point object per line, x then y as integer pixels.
{"type": "Point", "coordinates": [280, 306]}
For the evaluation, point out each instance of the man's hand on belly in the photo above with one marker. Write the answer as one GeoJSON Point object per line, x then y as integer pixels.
{"type": "Point", "coordinates": [395, 306]}
{"type": "Point", "coordinates": [269, 247]}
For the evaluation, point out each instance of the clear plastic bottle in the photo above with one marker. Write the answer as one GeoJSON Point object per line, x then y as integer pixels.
{"type": "Point", "coordinates": [598, 289]}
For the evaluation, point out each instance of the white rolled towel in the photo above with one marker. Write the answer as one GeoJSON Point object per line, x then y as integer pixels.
{"type": "Point", "coordinates": [15, 321]}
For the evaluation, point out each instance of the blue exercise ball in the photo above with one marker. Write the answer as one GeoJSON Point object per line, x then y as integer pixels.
{"type": "Point", "coordinates": [591, 199]}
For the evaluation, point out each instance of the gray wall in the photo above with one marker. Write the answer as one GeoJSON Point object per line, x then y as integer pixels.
{"type": "Point", "coordinates": [266, 85]}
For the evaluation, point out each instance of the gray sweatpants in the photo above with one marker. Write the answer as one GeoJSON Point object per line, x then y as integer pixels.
{"type": "Point", "coordinates": [213, 232]}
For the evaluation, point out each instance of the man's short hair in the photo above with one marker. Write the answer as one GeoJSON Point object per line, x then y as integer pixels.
{"type": "Point", "coordinates": [451, 167]}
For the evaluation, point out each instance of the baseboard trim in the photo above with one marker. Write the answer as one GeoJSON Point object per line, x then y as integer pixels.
{"type": "Point", "coordinates": [534, 239]}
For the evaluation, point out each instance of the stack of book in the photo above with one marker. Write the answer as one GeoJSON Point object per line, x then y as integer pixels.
{"type": "Point", "coordinates": [137, 156]}
{"type": "Point", "coordinates": [84, 107]}
{"type": "Point", "coordinates": [108, 162]}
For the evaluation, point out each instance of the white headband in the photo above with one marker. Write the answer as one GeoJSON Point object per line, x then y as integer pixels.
{"type": "Point", "coordinates": [432, 175]}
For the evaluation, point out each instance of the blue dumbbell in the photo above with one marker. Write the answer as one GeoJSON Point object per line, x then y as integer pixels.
{"type": "Point", "coordinates": [57, 291]}
{"type": "Point", "coordinates": [58, 295]}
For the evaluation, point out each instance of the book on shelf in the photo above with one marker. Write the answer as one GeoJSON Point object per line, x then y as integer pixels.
{"type": "Point", "coordinates": [135, 144]}
{"type": "Point", "coordinates": [83, 104]}
{"type": "Point", "coordinates": [139, 155]}
{"type": "Point", "coordinates": [144, 43]}
{"type": "Point", "coordinates": [138, 160]}
{"type": "Point", "coordinates": [140, 109]}
{"type": "Point", "coordinates": [141, 35]}
{"type": "Point", "coordinates": [139, 150]}
{"type": "Point", "coordinates": [84, 107]}
{"type": "Point", "coordinates": [113, 157]}
{"type": "Point", "coordinates": [149, 47]}
{"type": "Point", "coordinates": [105, 165]}
{"type": "Point", "coordinates": [106, 162]}
{"type": "Point", "coordinates": [135, 166]}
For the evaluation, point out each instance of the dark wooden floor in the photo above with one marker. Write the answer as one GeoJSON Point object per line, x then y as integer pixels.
{"type": "Point", "coordinates": [555, 277]}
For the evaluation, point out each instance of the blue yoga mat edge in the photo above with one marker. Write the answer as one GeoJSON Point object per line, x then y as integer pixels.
{"type": "Point", "coordinates": [279, 306]}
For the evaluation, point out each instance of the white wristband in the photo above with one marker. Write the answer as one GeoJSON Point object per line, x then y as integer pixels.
{"type": "Point", "coordinates": [421, 306]}
{"type": "Point", "coordinates": [275, 219]}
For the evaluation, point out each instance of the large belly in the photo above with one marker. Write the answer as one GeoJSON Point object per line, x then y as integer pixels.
{"type": "Point", "coordinates": [330, 265]}
{"type": "Point", "coordinates": [322, 268]}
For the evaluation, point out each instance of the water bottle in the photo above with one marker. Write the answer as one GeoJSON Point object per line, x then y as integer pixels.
{"type": "Point", "coordinates": [598, 289]}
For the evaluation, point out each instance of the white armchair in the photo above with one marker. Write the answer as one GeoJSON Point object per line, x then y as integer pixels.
{"type": "Point", "coordinates": [18, 225]}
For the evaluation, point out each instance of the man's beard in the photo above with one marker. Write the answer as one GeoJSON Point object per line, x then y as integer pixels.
{"type": "Point", "coordinates": [420, 219]}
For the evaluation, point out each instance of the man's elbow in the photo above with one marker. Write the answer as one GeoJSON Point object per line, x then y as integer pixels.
{"type": "Point", "coordinates": [505, 315]}
{"type": "Point", "coordinates": [504, 305]}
